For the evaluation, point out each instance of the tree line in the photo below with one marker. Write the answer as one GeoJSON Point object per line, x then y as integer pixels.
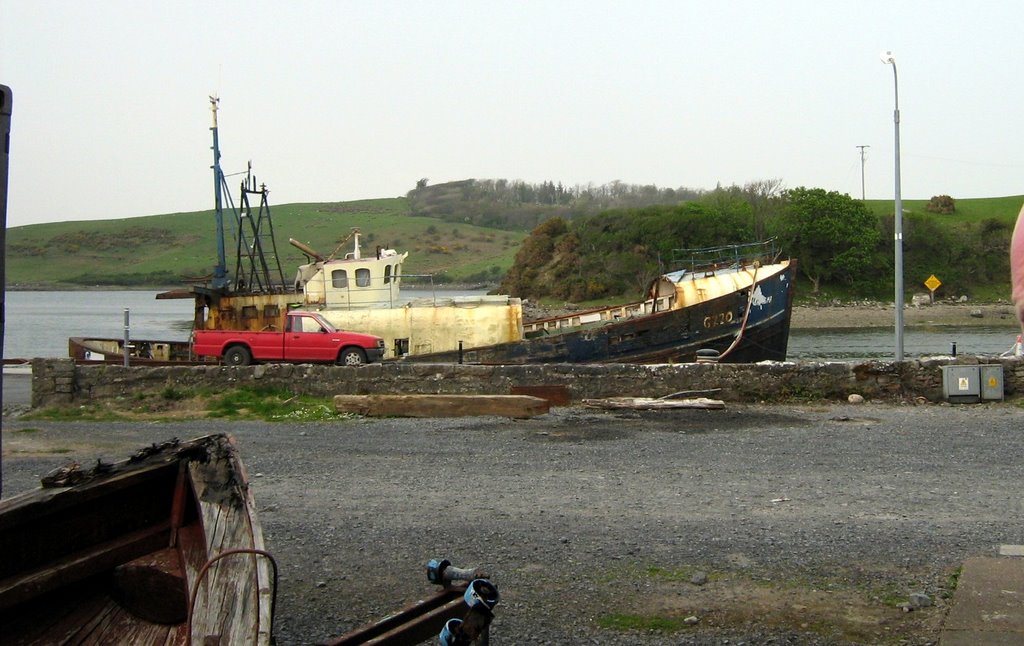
{"type": "Point", "coordinates": [521, 206]}
{"type": "Point", "coordinates": [838, 242]}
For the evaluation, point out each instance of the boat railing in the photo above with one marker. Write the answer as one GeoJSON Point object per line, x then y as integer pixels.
{"type": "Point", "coordinates": [596, 317]}
{"type": "Point", "coordinates": [727, 256]}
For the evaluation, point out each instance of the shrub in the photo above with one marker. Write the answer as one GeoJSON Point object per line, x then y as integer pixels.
{"type": "Point", "coordinates": [941, 204]}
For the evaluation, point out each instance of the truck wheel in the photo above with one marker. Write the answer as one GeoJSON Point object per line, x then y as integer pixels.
{"type": "Point", "coordinates": [352, 357]}
{"type": "Point", "coordinates": [238, 355]}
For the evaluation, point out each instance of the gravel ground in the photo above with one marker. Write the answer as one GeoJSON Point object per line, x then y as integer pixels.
{"type": "Point", "coordinates": [776, 524]}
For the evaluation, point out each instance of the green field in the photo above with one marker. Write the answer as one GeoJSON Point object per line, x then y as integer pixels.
{"type": "Point", "coordinates": [967, 210]}
{"type": "Point", "coordinates": [165, 250]}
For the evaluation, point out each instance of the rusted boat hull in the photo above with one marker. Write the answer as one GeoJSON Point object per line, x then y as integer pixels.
{"type": "Point", "coordinates": [126, 553]}
{"type": "Point", "coordinates": [139, 351]}
{"type": "Point", "coordinates": [743, 326]}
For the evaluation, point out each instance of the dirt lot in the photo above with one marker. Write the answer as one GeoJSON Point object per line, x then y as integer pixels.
{"type": "Point", "coordinates": [760, 524]}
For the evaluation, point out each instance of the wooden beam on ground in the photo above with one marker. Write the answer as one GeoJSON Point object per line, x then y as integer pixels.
{"type": "Point", "coordinates": [441, 405]}
{"type": "Point", "coordinates": [643, 403]}
{"type": "Point", "coordinates": [557, 394]}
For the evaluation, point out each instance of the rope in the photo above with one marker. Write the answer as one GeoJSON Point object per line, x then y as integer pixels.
{"type": "Point", "coordinates": [206, 568]}
{"type": "Point", "coordinates": [746, 315]}
{"type": "Point", "coordinates": [1016, 350]}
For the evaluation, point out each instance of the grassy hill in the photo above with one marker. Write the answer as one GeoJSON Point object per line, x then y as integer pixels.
{"type": "Point", "coordinates": [164, 250]}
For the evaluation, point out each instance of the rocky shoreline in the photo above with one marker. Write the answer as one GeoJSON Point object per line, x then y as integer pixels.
{"type": "Point", "coordinates": [867, 315]}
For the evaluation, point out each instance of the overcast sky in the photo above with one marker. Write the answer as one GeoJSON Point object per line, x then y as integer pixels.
{"type": "Point", "coordinates": [340, 100]}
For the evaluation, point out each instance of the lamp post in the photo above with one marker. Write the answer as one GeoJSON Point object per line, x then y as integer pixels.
{"type": "Point", "coordinates": [889, 59]}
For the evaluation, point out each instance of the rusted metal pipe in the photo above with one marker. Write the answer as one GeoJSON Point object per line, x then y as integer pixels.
{"type": "Point", "coordinates": [306, 249]}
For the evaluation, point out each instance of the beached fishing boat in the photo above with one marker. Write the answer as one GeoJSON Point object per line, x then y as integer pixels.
{"type": "Point", "coordinates": [162, 548]}
{"type": "Point", "coordinates": [731, 304]}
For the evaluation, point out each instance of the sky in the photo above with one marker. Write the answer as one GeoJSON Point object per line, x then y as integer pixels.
{"type": "Point", "coordinates": [340, 100]}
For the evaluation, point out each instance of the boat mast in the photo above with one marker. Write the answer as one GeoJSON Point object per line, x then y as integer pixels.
{"type": "Point", "coordinates": [220, 272]}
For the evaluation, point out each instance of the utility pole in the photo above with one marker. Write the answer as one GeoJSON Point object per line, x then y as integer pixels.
{"type": "Point", "coordinates": [862, 171]}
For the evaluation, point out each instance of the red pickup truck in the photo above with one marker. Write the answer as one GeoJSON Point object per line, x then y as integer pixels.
{"type": "Point", "coordinates": [307, 338]}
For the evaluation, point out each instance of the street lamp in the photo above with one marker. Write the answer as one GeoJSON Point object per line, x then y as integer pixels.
{"type": "Point", "coordinates": [889, 59]}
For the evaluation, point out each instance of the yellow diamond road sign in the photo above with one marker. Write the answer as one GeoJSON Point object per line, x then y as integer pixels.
{"type": "Point", "coordinates": [932, 283]}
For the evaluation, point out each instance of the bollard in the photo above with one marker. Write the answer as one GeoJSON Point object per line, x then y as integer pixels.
{"type": "Point", "coordinates": [127, 334]}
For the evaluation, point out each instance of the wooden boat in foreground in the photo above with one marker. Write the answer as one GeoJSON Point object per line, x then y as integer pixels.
{"type": "Point", "coordinates": [162, 548]}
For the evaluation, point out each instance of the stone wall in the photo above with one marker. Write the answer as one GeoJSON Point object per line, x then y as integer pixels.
{"type": "Point", "coordinates": [60, 381]}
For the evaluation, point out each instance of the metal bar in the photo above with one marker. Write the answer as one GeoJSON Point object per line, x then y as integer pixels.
{"type": "Point", "coordinates": [220, 271]}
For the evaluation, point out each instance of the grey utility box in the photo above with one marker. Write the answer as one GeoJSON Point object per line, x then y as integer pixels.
{"type": "Point", "coordinates": [991, 382]}
{"type": "Point", "coordinates": [961, 384]}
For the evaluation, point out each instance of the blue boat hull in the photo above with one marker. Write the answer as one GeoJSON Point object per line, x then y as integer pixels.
{"type": "Point", "coordinates": [743, 332]}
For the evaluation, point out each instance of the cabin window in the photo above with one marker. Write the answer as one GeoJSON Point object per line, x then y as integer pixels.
{"type": "Point", "coordinates": [271, 311]}
{"type": "Point", "coordinates": [362, 277]}
{"type": "Point", "coordinates": [248, 311]}
{"type": "Point", "coordinates": [339, 278]}
{"type": "Point", "coordinates": [401, 347]}
{"type": "Point", "coordinates": [387, 274]}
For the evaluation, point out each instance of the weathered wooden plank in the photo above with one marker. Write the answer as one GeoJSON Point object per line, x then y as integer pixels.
{"type": "Point", "coordinates": [51, 502]}
{"type": "Point", "coordinates": [153, 587]}
{"type": "Point", "coordinates": [236, 594]}
{"type": "Point", "coordinates": [24, 586]}
{"type": "Point", "coordinates": [441, 405]}
{"type": "Point", "coordinates": [57, 619]}
{"type": "Point", "coordinates": [44, 534]}
{"type": "Point", "coordinates": [94, 631]}
{"type": "Point", "coordinates": [640, 403]}
{"type": "Point", "coordinates": [265, 579]}
{"type": "Point", "coordinates": [121, 627]}
{"type": "Point", "coordinates": [414, 624]}
{"type": "Point", "coordinates": [557, 394]}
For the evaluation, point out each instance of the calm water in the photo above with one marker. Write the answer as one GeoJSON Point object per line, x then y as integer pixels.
{"type": "Point", "coordinates": [38, 324]}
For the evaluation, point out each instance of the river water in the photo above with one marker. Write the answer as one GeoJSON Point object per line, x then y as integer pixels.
{"type": "Point", "coordinates": [38, 324]}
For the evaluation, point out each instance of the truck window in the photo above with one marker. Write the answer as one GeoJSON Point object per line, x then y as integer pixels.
{"type": "Point", "coordinates": [310, 324]}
